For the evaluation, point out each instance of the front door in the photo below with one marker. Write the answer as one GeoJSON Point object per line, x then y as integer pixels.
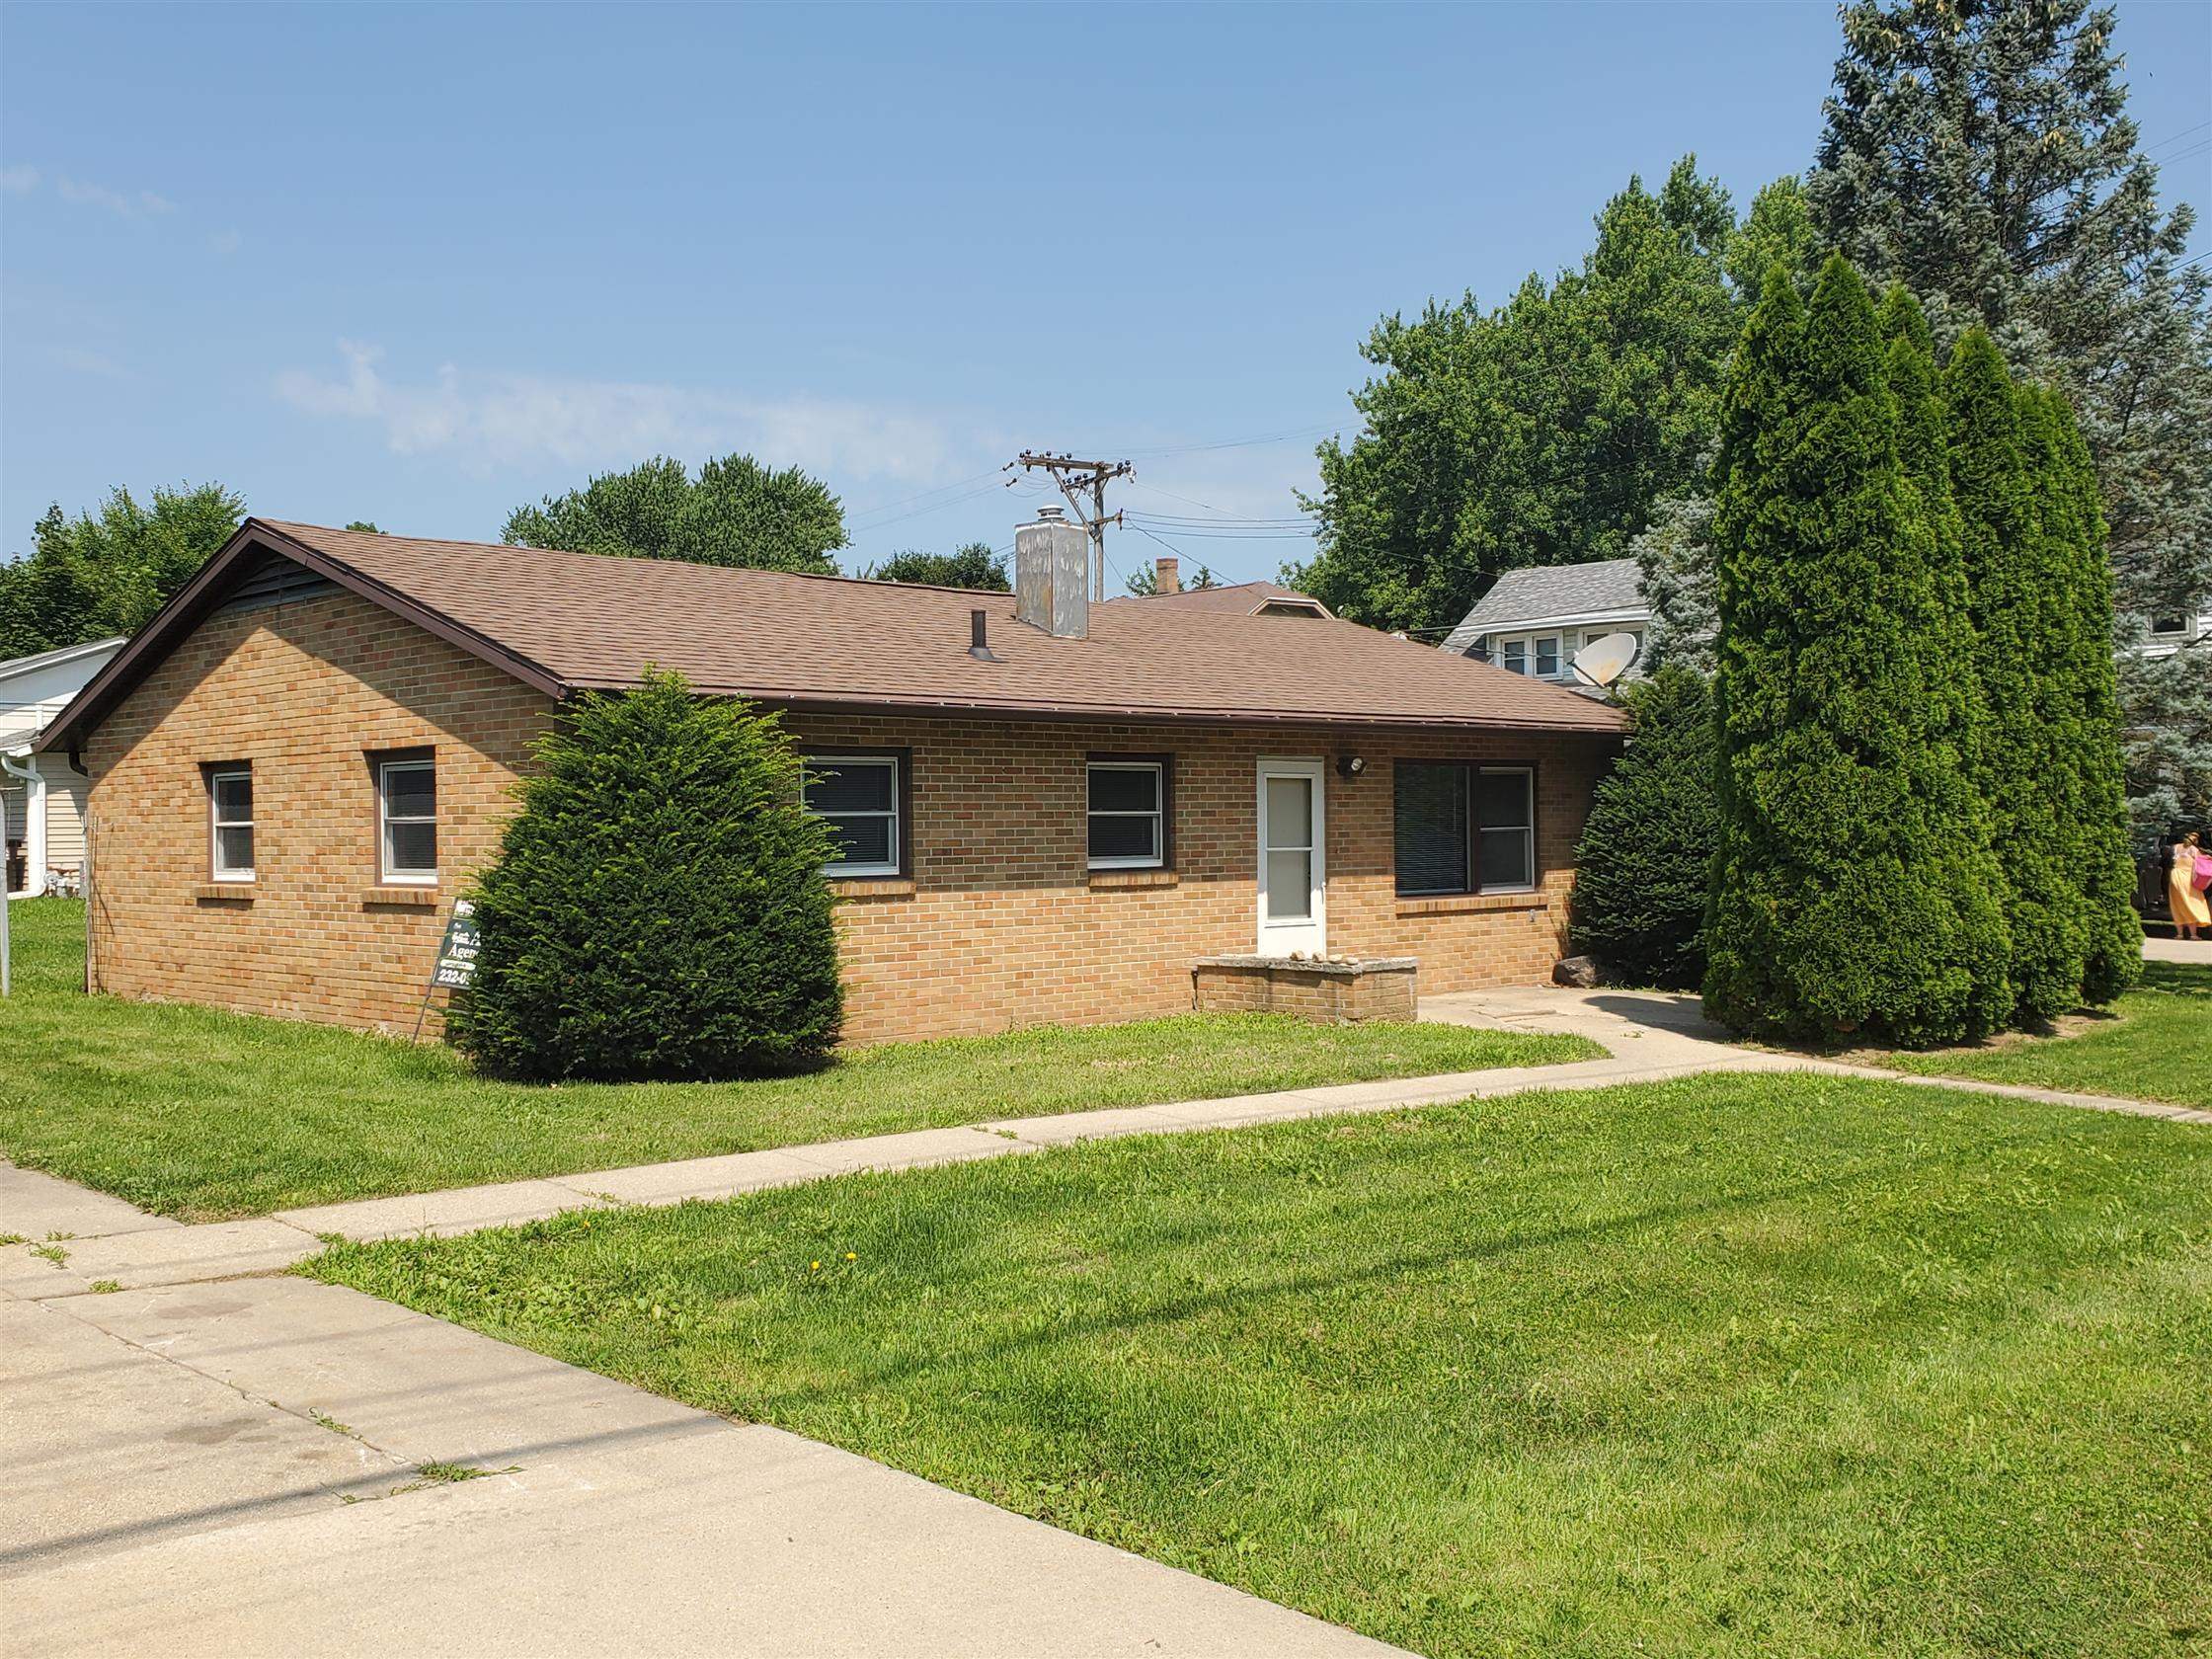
{"type": "Point", "coordinates": [1293, 875]}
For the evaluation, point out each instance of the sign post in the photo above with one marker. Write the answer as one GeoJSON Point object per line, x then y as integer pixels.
{"type": "Point", "coordinates": [457, 958]}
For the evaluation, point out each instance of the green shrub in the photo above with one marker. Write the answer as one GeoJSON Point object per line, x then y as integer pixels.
{"type": "Point", "coordinates": [1646, 860]}
{"type": "Point", "coordinates": [2081, 707]}
{"type": "Point", "coordinates": [658, 907]}
{"type": "Point", "coordinates": [2021, 764]}
{"type": "Point", "coordinates": [1853, 891]}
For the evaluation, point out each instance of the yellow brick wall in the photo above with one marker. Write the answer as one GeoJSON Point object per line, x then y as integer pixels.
{"type": "Point", "coordinates": [999, 925]}
{"type": "Point", "coordinates": [304, 691]}
{"type": "Point", "coordinates": [1002, 924]}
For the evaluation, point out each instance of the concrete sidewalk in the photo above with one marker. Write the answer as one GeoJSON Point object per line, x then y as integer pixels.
{"type": "Point", "coordinates": [214, 1460]}
{"type": "Point", "coordinates": [1648, 1036]}
{"type": "Point", "coordinates": [235, 1469]}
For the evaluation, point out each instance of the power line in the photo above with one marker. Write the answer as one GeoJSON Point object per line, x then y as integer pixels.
{"type": "Point", "coordinates": [2175, 138]}
{"type": "Point", "coordinates": [1231, 527]}
{"type": "Point", "coordinates": [1290, 436]}
{"type": "Point", "coordinates": [921, 495]}
{"type": "Point", "coordinates": [918, 512]}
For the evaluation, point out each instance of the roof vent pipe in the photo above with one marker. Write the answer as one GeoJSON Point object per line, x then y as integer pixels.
{"type": "Point", "coordinates": [979, 643]}
{"type": "Point", "coordinates": [1052, 575]}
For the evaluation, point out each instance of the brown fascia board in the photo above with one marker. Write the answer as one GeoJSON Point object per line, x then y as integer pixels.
{"type": "Point", "coordinates": [191, 605]}
{"type": "Point", "coordinates": [808, 702]}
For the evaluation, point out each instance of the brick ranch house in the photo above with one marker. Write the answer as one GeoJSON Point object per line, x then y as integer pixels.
{"type": "Point", "coordinates": [1049, 811]}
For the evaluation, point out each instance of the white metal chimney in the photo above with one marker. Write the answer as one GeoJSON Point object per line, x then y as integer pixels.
{"type": "Point", "coordinates": [1052, 575]}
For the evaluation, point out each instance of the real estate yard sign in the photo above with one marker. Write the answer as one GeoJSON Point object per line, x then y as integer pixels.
{"type": "Point", "coordinates": [456, 957]}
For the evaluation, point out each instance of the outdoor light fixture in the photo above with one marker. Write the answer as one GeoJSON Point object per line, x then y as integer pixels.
{"type": "Point", "coordinates": [1350, 766]}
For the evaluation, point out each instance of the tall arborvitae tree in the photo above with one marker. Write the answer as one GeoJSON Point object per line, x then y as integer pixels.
{"type": "Point", "coordinates": [2020, 761]}
{"type": "Point", "coordinates": [1947, 622]}
{"type": "Point", "coordinates": [2079, 702]}
{"type": "Point", "coordinates": [1852, 892]}
{"type": "Point", "coordinates": [1980, 151]}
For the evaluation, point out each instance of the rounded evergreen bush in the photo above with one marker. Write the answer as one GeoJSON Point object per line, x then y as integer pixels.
{"type": "Point", "coordinates": [658, 907]}
{"type": "Point", "coordinates": [1646, 860]}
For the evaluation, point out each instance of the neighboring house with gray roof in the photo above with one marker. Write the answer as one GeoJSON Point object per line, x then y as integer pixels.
{"type": "Point", "coordinates": [1534, 621]}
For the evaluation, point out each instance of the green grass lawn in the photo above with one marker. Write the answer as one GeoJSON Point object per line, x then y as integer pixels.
{"type": "Point", "coordinates": [1737, 1364]}
{"type": "Point", "coordinates": [2157, 1045]}
{"type": "Point", "coordinates": [201, 1114]}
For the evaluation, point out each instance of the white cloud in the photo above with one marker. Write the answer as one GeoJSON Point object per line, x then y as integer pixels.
{"type": "Point", "coordinates": [19, 179]}
{"type": "Point", "coordinates": [492, 421]}
{"type": "Point", "coordinates": [225, 242]}
{"type": "Point", "coordinates": [129, 207]}
{"type": "Point", "coordinates": [86, 359]}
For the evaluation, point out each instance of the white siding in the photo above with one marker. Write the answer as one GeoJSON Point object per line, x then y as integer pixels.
{"type": "Point", "coordinates": [65, 817]}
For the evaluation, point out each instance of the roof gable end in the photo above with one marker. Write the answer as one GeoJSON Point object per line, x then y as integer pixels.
{"type": "Point", "coordinates": [251, 568]}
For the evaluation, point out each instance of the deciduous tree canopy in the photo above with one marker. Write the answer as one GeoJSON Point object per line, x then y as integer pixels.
{"type": "Point", "coordinates": [1542, 431]}
{"type": "Point", "coordinates": [737, 512]}
{"type": "Point", "coordinates": [972, 566]}
{"type": "Point", "coordinates": [93, 576]}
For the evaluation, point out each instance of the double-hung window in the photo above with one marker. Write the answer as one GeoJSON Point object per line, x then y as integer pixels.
{"type": "Point", "coordinates": [1548, 656]}
{"type": "Point", "coordinates": [858, 799]}
{"type": "Point", "coordinates": [1464, 829]}
{"type": "Point", "coordinates": [230, 817]}
{"type": "Point", "coordinates": [1127, 812]}
{"type": "Point", "coordinates": [407, 819]}
{"type": "Point", "coordinates": [1513, 656]}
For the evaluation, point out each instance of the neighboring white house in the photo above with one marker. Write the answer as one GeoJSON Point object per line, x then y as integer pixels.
{"type": "Point", "coordinates": [1534, 621]}
{"type": "Point", "coordinates": [44, 817]}
{"type": "Point", "coordinates": [2169, 633]}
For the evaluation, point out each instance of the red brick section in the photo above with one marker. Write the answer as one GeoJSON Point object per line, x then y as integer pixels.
{"type": "Point", "coordinates": [999, 924]}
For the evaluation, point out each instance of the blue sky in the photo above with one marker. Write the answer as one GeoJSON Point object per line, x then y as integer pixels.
{"type": "Point", "coordinates": [422, 263]}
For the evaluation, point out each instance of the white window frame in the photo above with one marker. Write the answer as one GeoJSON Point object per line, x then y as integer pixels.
{"type": "Point", "coordinates": [1508, 650]}
{"type": "Point", "coordinates": [831, 762]}
{"type": "Point", "coordinates": [216, 823]}
{"type": "Point", "coordinates": [385, 822]}
{"type": "Point", "coordinates": [1527, 829]}
{"type": "Point", "coordinates": [1158, 859]}
{"type": "Point", "coordinates": [1558, 643]}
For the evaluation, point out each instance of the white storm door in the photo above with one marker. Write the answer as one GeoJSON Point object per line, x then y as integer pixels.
{"type": "Point", "coordinates": [1293, 873]}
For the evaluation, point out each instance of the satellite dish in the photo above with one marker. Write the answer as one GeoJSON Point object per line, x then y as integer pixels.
{"type": "Point", "coordinates": [1606, 658]}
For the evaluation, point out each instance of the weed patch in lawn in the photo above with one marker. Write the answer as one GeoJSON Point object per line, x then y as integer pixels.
{"type": "Point", "coordinates": [204, 1115]}
{"type": "Point", "coordinates": [1736, 1364]}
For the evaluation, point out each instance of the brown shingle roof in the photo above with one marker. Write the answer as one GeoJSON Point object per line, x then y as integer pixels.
{"type": "Point", "coordinates": [1245, 597]}
{"type": "Point", "coordinates": [578, 620]}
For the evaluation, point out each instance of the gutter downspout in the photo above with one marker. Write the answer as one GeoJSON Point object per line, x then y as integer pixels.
{"type": "Point", "coordinates": [30, 780]}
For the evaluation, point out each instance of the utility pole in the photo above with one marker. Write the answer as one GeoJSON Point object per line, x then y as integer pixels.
{"type": "Point", "coordinates": [1068, 473]}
